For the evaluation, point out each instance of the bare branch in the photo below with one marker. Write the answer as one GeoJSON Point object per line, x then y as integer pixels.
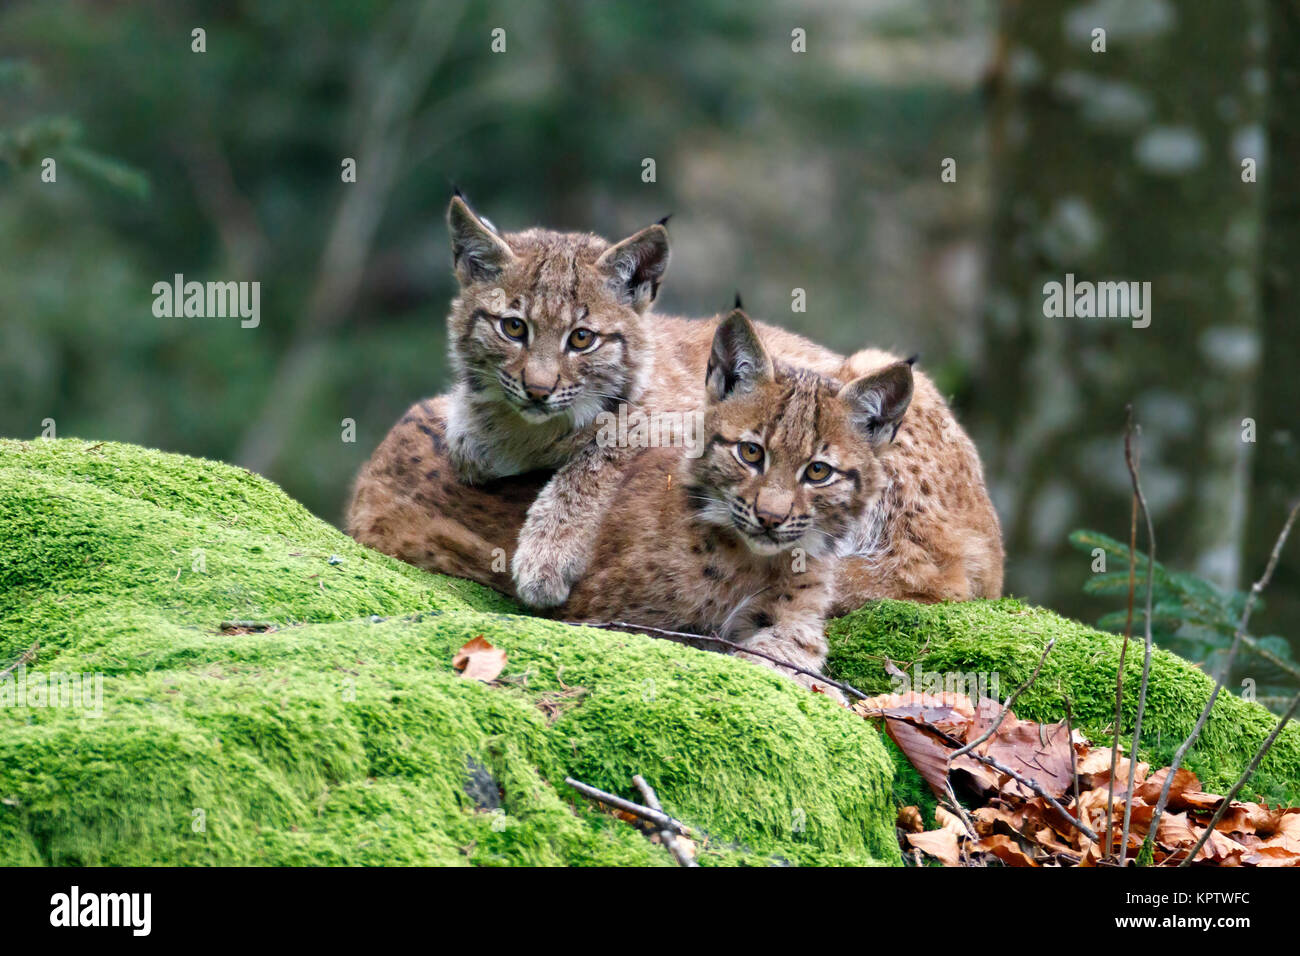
{"type": "Point", "coordinates": [1224, 671]}
{"type": "Point", "coordinates": [26, 657]}
{"type": "Point", "coordinates": [668, 837]}
{"type": "Point", "coordinates": [993, 728]}
{"type": "Point", "coordinates": [1241, 781]}
{"type": "Point", "coordinates": [669, 828]}
{"type": "Point", "coordinates": [1034, 786]}
{"type": "Point", "coordinates": [1131, 456]}
{"type": "Point", "coordinates": [1123, 650]}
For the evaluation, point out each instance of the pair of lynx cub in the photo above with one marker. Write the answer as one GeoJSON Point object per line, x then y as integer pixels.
{"type": "Point", "coordinates": [823, 482]}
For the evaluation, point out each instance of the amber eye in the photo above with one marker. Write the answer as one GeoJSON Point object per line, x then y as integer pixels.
{"type": "Point", "coordinates": [818, 471]}
{"type": "Point", "coordinates": [750, 452]}
{"type": "Point", "coordinates": [580, 339]}
{"type": "Point", "coordinates": [515, 328]}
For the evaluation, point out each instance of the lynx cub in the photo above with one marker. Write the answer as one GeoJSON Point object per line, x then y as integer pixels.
{"type": "Point", "coordinates": [744, 538]}
{"type": "Point", "coordinates": [549, 330]}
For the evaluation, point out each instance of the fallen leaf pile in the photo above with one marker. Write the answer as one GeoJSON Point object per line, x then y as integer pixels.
{"type": "Point", "coordinates": [479, 660]}
{"type": "Point", "coordinates": [1014, 825]}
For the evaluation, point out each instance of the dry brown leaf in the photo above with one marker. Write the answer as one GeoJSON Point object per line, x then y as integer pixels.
{"type": "Point", "coordinates": [940, 844]}
{"type": "Point", "coordinates": [479, 660]}
{"type": "Point", "coordinates": [1094, 770]}
{"type": "Point", "coordinates": [910, 819]}
{"type": "Point", "coordinates": [1006, 849]}
{"type": "Point", "coordinates": [1272, 856]}
{"type": "Point", "coordinates": [1040, 752]}
{"type": "Point", "coordinates": [924, 749]}
{"type": "Point", "coordinates": [948, 712]}
{"type": "Point", "coordinates": [950, 821]}
{"type": "Point", "coordinates": [1184, 780]}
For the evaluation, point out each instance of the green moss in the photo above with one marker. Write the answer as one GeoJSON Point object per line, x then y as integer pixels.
{"type": "Point", "coordinates": [343, 736]}
{"type": "Point", "coordinates": [1007, 637]}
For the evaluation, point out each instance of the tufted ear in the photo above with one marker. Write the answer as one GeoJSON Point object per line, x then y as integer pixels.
{"type": "Point", "coordinates": [478, 253]}
{"type": "Point", "coordinates": [877, 401]}
{"type": "Point", "coordinates": [635, 267]}
{"type": "Point", "coordinates": [738, 362]}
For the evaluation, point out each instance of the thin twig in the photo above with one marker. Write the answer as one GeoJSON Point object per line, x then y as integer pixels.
{"type": "Point", "coordinates": [1255, 590]}
{"type": "Point", "coordinates": [696, 640]}
{"type": "Point", "coordinates": [1264, 653]}
{"type": "Point", "coordinates": [1034, 786]}
{"type": "Point", "coordinates": [1123, 650]}
{"type": "Point", "coordinates": [1074, 764]}
{"type": "Point", "coordinates": [668, 837]}
{"type": "Point", "coordinates": [1006, 708]}
{"type": "Point", "coordinates": [965, 817]}
{"type": "Point", "coordinates": [1241, 781]}
{"type": "Point", "coordinates": [26, 657]}
{"type": "Point", "coordinates": [655, 815]}
{"type": "Point", "coordinates": [1131, 457]}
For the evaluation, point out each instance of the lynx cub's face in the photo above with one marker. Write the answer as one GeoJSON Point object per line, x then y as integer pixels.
{"type": "Point", "coordinates": [548, 324]}
{"type": "Point", "coordinates": [792, 456]}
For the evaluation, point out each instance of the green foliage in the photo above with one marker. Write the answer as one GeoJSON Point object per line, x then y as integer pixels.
{"type": "Point", "coordinates": [24, 146]}
{"type": "Point", "coordinates": [1189, 615]}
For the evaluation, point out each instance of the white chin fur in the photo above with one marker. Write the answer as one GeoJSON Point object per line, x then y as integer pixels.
{"type": "Point", "coordinates": [535, 417]}
{"type": "Point", "coordinates": [764, 546]}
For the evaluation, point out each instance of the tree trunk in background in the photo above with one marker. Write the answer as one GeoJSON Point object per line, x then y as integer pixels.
{"type": "Point", "coordinates": [1121, 165]}
{"type": "Point", "coordinates": [1276, 478]}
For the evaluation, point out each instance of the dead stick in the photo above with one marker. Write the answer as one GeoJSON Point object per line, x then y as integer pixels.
{"type": "Point", "coordinates": [695, 640]}
{"type": "Point", "coordinates": [1132, 458]}
{"type": "Point", "coordinates": [660, 819]}
{"type": "Point", "coordinates": [1034, 786]}
{"type": "Point", "coordinates": [1255, 590]}
{"type": "Point", "coordinates": [993, 729]}
{"type": "Point", "coordinates": [1241, 781]}
{"type": "Point", "coordinates": [1123, 650]}
{"type": "Point", "coordinates": [667, 836]}
{"type": "Point", "coordinates": [26, 657]}
{"type": "Point", "coordinates": [1074, 765]}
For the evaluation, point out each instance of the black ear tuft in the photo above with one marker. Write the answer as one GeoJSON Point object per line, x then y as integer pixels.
{"type": "Point", "coordinates": [913, 358]}
{"type": "Point", "coordinates": [455, 191]}
{"type": "Point", "coordinates": [737, 362]}
{"type": "Point", "coordinates": [664, 220]}
{"type": "Point", "coordinates": [739, 304]}
{"type": "Point", "coordinates": [877, 401]}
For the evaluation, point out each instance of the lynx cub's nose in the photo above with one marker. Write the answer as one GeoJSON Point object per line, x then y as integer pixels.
{"type": "Point", "coordinates": [771, 509]}
{"type": "Point", "coordinates": [535, 391]}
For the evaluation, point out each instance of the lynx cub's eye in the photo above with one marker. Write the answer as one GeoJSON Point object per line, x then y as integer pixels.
{"type": "Point", "coordinates": [580, 339]}
{"type": "Point", "coordinates": [817, 472]}
{"type": "Point", "coordinates": [514, 328]}
{"type": "Point", "coordinates": [751, 453]}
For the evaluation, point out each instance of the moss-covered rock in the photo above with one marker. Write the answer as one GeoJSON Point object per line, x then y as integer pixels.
{"type": "Point", "coordinates": [344, 735]}
{"type": "Point", "coordinates": [1007, 638]}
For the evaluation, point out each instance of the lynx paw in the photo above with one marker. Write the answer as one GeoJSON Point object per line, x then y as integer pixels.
{"type": "Point", "coordinates": [538, 581]}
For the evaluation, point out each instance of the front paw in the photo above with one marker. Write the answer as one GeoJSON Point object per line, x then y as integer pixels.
{"type": "Point", "coordinates": [538, 581]}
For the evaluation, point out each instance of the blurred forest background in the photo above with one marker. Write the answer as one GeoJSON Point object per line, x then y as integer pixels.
{"type": "Point", "coordinates": [817, 170]}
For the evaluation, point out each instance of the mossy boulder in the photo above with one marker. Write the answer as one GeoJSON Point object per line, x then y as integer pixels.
{"type": "Point", "coordinates": [343, 735]}
{"type": "Point", "coordinates": [978, 639]}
